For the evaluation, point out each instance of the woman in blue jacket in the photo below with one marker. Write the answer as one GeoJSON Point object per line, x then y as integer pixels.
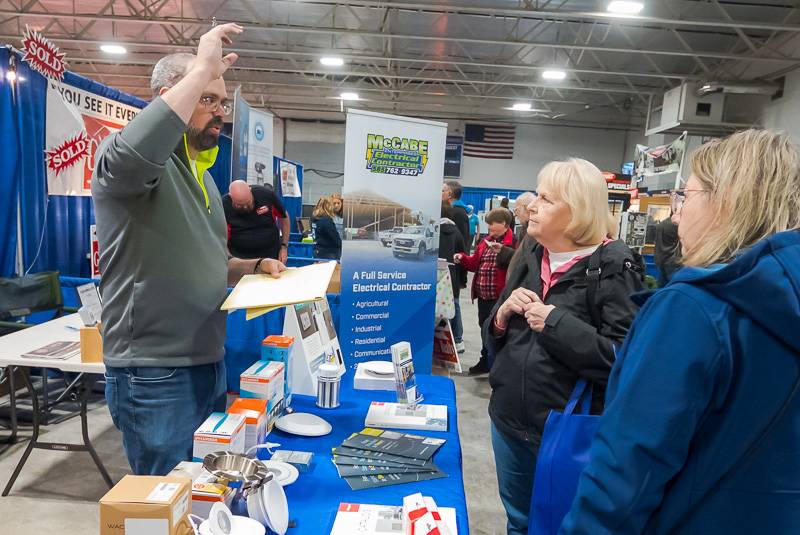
{"type": "Point", "coordinates": [701, 433]}
{"type": "Point", "coordinates": [327, 241]}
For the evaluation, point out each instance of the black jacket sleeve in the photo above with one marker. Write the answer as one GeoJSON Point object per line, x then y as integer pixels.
{"type": "Point", "coordinates": [504, 256]}
{"type": "Point", "coordinates": [580, 345]}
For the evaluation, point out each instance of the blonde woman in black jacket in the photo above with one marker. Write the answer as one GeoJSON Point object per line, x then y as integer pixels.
{"type": "Point", "coordinates": [543, 331]}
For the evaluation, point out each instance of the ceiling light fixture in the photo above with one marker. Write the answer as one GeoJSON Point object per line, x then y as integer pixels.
{"type": "Point", "coordinates": [625, 8]}
{"type": "Point", "coordinates": [332, 61]}
{"type": "Point", "coordinates": [521, 106]}
{"type": "Point", "coordinates": [349, 96]}
{"type": "Point", "coordinates": [554, 75]}
{"type": "Point", "coordinates": [113, 49]}
{"type": "Point", "coordinates": [11, 76]}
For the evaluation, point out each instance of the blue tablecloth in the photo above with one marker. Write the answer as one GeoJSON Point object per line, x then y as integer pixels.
{"type": "Point", "coordinates": [315, 497]}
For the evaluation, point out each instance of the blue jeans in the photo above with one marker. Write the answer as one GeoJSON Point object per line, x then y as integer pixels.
{"type": "Point", "coordinates": [159, 409]}
{"type": "Point", "coordinates": [456, 325]}
{"type": "Point", "coordinates": [515, 463]}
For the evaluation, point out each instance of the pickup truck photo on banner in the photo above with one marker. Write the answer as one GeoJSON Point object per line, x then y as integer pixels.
{"type": "Point", "coordinates": [393, 172]}
{"type": "Point", "coordinates": [77, 122]}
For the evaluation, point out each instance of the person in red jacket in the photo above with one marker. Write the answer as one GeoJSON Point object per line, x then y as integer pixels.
{"type": "Point", "coordinates": [489, 279]}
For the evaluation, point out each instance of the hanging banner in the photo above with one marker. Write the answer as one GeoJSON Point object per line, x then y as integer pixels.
{"type": "Point", "coordinates": [662, 159]}
{"type": "Point", "coordinates": [77, 121]}
{"type": "Point", "coordinates": [42, 55]}
{"type": "Point", "coordinates": [252, 143]}
{"type": "Point", "coordinates": [393, 172]}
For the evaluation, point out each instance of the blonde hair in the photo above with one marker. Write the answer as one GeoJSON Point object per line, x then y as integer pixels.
{"type": "Point", "coordinates": [753, 185]}
{"type": "Point", "coordinates": [324, 208]}
{"type": "Point", "coordinates": [581, 185]}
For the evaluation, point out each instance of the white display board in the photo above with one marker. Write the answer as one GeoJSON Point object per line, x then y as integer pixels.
{"type": "Point", "coordinates": [315, 343]}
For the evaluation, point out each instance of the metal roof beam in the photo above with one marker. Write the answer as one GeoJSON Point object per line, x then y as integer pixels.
{"type": "Point", "coordinates": [563, 16]}
{"type": "Point", "coordinates": [362, 33]}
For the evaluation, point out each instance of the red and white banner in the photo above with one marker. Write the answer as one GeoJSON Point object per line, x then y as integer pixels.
{"type": "Point", "coordinates": [77, 121]}
{"type": "Point", "coordinates": [42, 55]}
{"type": "Point", "coordinates": [94, 252]}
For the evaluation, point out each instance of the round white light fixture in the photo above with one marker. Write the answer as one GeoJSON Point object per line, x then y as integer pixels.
{"type": "Point", "coordinates": [11, 76]}
{"type": "Point", "coordinates": [332, 61]}
{"type": "Point", "coordinates": [554, 75]}
{"type": "Point", "coordinates": [521, 106]}
{"type": "Point", "coordinates": [625, 8]}
{"type": "Point", "coordinates": [349, 96]}
{"type": "Point", "coordinates": [113, 49]}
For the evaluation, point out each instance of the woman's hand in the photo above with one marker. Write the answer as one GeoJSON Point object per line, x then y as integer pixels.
{"type": "Point", "coordinates": [515, 304]}
{"type": "Point", "coordinates": [457, 258]}
{"type": "Point", "coordinates": [536, 313]}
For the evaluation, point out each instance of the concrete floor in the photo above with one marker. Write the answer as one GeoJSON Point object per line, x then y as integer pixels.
{"type": "Point", "coordinates": [57, 492]}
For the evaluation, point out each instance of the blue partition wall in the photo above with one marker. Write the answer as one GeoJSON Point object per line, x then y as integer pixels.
{"type": "Point", "coordinates": [477, 196]}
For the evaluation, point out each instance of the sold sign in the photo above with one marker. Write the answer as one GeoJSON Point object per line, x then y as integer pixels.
{"type": "Point", "coordinates": [42, 55]}
{"type": "Point", "coordinates": [68, 153]}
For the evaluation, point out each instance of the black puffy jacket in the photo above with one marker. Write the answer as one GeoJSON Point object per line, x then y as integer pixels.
{"type": "Point", "coordinates": [536, 372]}
{"type": "Point", "coordinates": [450, 243]}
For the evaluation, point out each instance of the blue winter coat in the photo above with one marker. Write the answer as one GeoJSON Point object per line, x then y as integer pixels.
{"type": "Point", "coordinates": [707, 365]}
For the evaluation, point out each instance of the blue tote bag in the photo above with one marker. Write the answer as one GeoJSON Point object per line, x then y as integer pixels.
{"type": "Point", "coordinates": [563, 455]}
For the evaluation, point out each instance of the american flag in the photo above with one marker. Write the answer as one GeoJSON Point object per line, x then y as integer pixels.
{"type": "Point", "coordinates": [489, 141]}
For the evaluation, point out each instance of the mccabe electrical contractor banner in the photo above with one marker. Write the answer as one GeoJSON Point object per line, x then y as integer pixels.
{"type": "Point", "coordinates": [77, 122]}
{"type": "Point", "coordinates": [392, 198]}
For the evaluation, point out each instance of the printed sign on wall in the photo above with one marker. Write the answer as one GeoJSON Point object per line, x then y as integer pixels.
{"type": "Point", "coordinates": [393, 179]}
{"type": "Point", "coordinates": [77, 122]}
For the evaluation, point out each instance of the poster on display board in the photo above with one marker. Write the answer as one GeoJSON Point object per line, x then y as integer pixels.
{"type": "Point", "coordinates": [77, 121]}
{"type": "Point", "coordinates": [251, 158]}
{"type": "Point", "coordinates": [290, 186]}
{"type": "Point", "coordinates": [393, 172]}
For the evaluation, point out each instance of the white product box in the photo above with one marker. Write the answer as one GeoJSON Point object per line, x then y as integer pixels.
{"type": "Point", "coordinates": [255, 413]}
{"type": "Point", "coordinates": [363, 380]}
{"type": "Point", "coordinates": [263, 380]}
{"type": "Point", "coordinates": [206, 488]}
{"type": "Point", "coordinates": [220, 432]}
{"type": "Point", "coordinates": [398, 416]}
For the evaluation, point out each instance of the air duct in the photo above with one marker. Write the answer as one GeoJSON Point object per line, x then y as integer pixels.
{"type": "Point", "coordinates": [739, 88]}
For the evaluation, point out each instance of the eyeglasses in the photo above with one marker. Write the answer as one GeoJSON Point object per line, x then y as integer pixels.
{"type": "Point", "coordinates": [678, 198]}
{"type": "Point", "coordinates": [213, 104]}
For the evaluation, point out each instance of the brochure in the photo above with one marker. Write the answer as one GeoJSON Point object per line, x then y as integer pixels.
{"type": "Point", "coordinates": [398, 416]}
{"type": "Point", "coordinates": [373, 481]}
{"type": "Point", "coordinates": [402, 444]}
{"type": "Point", "coordinates": [55, 351]}
{"type": "Point", "coordinates": [364, 519]}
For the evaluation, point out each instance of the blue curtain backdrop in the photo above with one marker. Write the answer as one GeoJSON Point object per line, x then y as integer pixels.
{"type": "Point", "coordinates": [57, 227]}
{"type": "Point", "coordinates": [293, 205]}
{"type": "Point", "coordinates": [9, 179]}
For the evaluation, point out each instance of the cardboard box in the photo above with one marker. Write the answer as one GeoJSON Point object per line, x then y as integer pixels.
{"type": "Point", "coordinates": [206, 488]}
{"type": "Point", "coordinates": [91, 344]}
{"type": "Point", "coordinates": [363, 380]}
{"type": "Point", "coordinates": [147, 505]}
{"type": "Point", "coordinates": [255, 413]}
{"type": "Point", "coordinates": [335, 285]}
{"type": "Point", "coordinates": [220, 432]}
{"type": "Point", "coordinates": [263, 380]}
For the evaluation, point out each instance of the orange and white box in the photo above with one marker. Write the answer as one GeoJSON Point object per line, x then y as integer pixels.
{"type": "Point", "coordinates": [255, 413]}
{"type": "Point", "coordinates": [220, 432]}
{"type": "Point", "coordinates": [263, 380]}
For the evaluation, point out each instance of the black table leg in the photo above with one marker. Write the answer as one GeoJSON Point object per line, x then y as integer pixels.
{"type": "Point", "coordinates": [32, 443]}
{"type": "Point", "coordinates": [12, 396]}
{"type": "Point", "coordinates": [88, 381]}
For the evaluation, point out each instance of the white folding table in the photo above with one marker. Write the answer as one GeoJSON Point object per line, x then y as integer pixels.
{"type": "Point", "coordinates": [13, 345]}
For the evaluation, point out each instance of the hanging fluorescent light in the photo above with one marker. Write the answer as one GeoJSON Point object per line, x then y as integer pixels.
{"type": "Point", "coordinates": [113, 49]}
{"type": "Point", "coordinates": [554, 75]}
{"type": "Point", "coordinates": [349, 96]}
{"type": "Point", "coordinates": [521, 106]}
{"type": "Point", "coordinates": [625, 8]}
{"type": "Point", "coordinates": [332, 61]}
{"type": "Point", "coordinates": [11, 76]}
